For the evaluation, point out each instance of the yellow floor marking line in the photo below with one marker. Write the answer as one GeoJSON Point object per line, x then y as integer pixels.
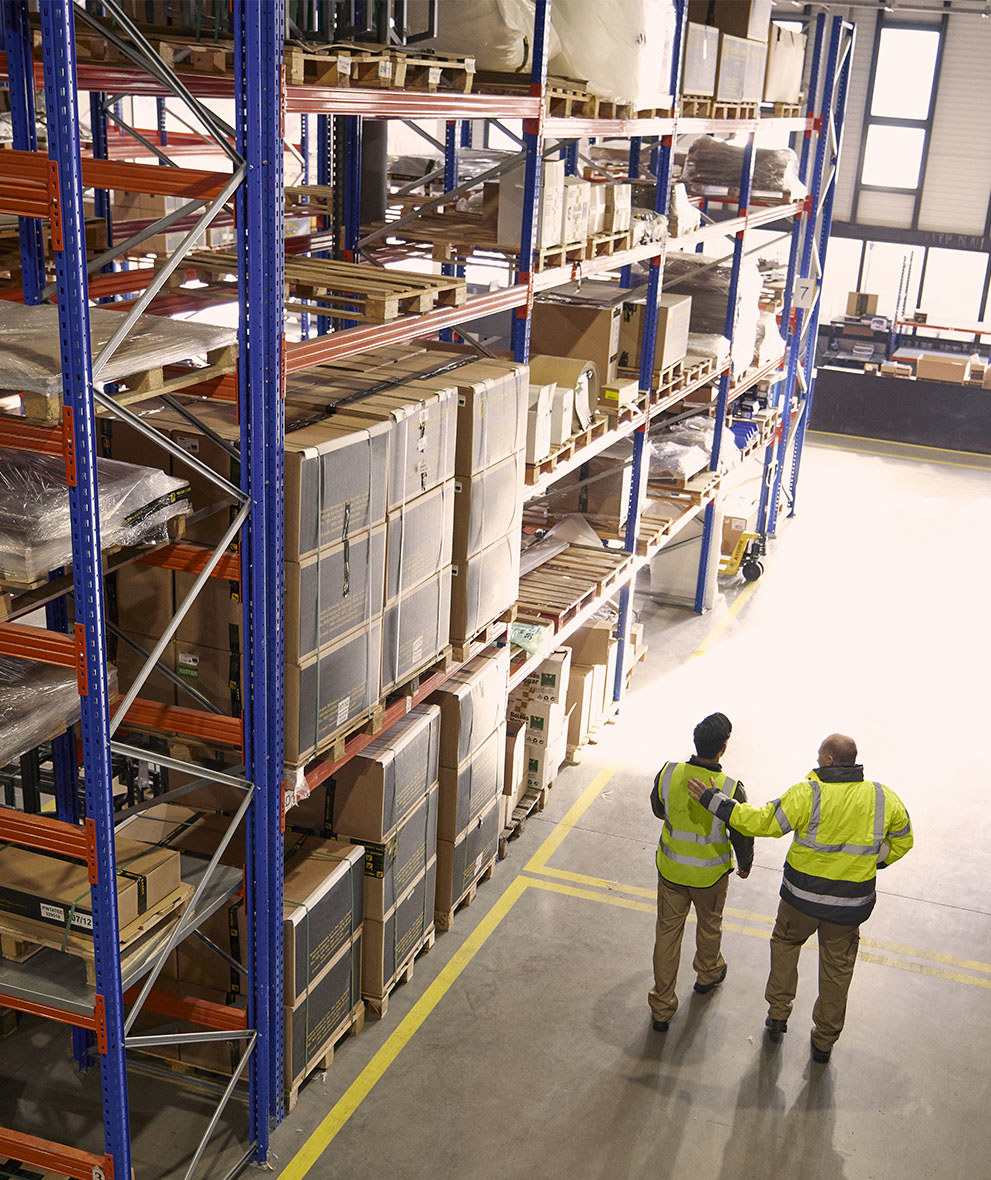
{"type": "Point", "coordinates": [888, 454]}
{"type": "Point", "coordinates": [575, 812]}
{"type": "Point", "coordinates": [813, 434]}
{"type": "Point", "coordinates": [923, 969]}
{"type": "Point", "coordinates": [360, 1088]}
{"type": "Point", "coordinates": [739, 603]}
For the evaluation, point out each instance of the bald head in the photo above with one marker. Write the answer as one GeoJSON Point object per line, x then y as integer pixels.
{"type": "Point", "coordinates": [838, 750]}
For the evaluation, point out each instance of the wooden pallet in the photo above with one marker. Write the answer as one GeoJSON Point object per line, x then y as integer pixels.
{"type": "Point", "coordinates": [735, 110]}
{"type": "Point", "coordinates": [431, 70]}
{"type": "Point", "coordinates": [135, 938]}
{"type": "Point", "coordinates": [600, 245]}
{"type": "Point", "coordinates": [444, 919]}
{"type": "Point", "coordinates": [562, 587]}
{"type": "Point", "coordinates": [461, 649]}
{"type": "Point", "coordinates": [441, 662]}
{"type": "Point", "coordinates": [532, 801]}
{"type": "Point", "coordinates": [369, 294]}
{"type": "Point", "coordinates": [789, 110]}
{"type": "Point", "coordinates": [565, 101]}
{"type": "Point", "coordinates": [377, 1007]}
{"type": "Point", "coordinates": [696, 106]}
{"type": "Point", "coordinates": [598, 427]}
{"type": "Point", "coordinates": [698, 489]}
{"type": "Point", "coordinates": [350, 1026]}
{"type": "Point", "coordinates": [332, 749]}
{"type": "Point", "coordinates": [549, 257]}
{"type": "Point", "coordinates": [316, 200]}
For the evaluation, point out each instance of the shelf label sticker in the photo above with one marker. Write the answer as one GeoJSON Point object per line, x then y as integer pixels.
{"type": "Point", "coordinates": [343, 710]}
{"type": "Point", "coordinates": [803, 293]}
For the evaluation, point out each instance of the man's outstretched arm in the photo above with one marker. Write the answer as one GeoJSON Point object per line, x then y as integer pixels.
{"type": "Point", "coordinates": [777, 818]}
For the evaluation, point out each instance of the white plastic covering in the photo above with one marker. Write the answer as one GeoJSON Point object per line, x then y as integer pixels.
{"type": "Point", "coordinates": [498, 33]}
{"type": "Point", "coordinates": [37, 702]}
{"type": "Point", "coordinates": [769, 343]}
{"type": "Point", "coordinates": [686, 447]}
{"type": "Point", "coordinates": [135, 503]}
{"type": "Point", "coordinates": [683, 216]}
{"type": "Point", "coordinates": [620, 49]}
{"type": "Point", "coordinates": [709, 287]}
{"type": "Point", "coordinates": [30, 356]}
{"type": "Point", "coordinates": [709, 344]}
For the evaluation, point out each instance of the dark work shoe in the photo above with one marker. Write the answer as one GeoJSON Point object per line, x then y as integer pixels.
{"type": "Point", "coordinates": [776, 1029]}
{"type": "Point", "coordinates": [703, 989]}
{"type": "Point", "coordinates": [661, 1025]}
{"type": "Point", "coordinates": [820, 1056]}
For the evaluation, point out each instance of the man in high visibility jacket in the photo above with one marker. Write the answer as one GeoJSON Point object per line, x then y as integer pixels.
{"type": "Point", "coordinates": [694, 860]}
{"type": "Point", "coordinates": [844, 829]}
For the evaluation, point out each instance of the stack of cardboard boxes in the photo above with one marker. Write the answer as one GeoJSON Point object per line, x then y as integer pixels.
{"type": "Point", "coordinates": [472, 765]}
{"type": "Point", "coordinates": [540, 703]}
{"type": "Point", "coordinates": [590, 685]}
{"type": "Point", "coordinates": [386, 799]}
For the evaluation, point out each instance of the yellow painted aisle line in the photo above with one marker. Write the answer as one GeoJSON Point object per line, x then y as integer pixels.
{"type": "Point", "coordinates": [739, 603]}
{"type": "Point", "coordinates": [575, 812]}
{"type": "Point", "coordinates": [369, 1077]}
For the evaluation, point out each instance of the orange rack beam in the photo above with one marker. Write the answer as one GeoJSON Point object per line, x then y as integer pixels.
{"type": "Point", "coordinates": [44, 833]}
{"type": "Point", "coordinates": [55, 1157]}
{"type": "Point", "coordinates": [201, 1012]}
{"type": "Point", "coordinates": [188, 558]}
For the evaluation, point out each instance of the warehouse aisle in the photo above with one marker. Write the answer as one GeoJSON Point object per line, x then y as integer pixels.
{"type": "Point", "coordinates": [523, 1046]}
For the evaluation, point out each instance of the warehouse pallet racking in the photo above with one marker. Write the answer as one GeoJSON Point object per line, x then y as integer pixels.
{"type": "Point", "coordinates": [50, 187]}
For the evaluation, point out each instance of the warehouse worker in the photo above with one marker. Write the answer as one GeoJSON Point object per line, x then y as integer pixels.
{"type": "Point", "coordinates": [694, 860]}
{"type": "Point", "coordinates": [844, 829]}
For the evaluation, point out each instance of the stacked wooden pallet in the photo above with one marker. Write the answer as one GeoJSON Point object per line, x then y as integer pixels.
{"type": "Point", "coordinates": [561, 588]}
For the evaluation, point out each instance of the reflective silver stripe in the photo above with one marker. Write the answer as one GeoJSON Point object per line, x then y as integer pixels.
{"type": "Point", "coordinates": [667, 774]}
{"type": "Point", "coordinates": [824, 898]}
{"type": "Point", "coordinates": [905, 831]}
{"type": "Point", "coordinates": [813, 829]}
{"type": "Point", "coordinates": [779, 814]}
{"type": "Point", "coordinates": [688, 837]}
{"type": "Point", "coordinates": [695, 862]}
{"type": "Point", "coordinates": [878, 814]}
{"type": "Point", "coordinates": [851, 849]}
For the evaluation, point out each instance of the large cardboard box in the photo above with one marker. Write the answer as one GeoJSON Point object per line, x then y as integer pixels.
{"type": "Point", "coordinates": [465, 791]}
{"type": "Point", "coordinates": [574, 218]}
{"type": "Point", "coordinates": [472, 705]}
{"type": "Point", "coordinates": [861, 303]}
{"type": "Point", "coordinates": [609, 688]}
{"type": "Point", "coordinates": [460, 862]}
{"type": "Point", "coordinates": [580, 375]}
{"type": "Point", "coordinates": [419, 539]}
{"type": "Point", "coordinates": [129, 662]}
{"type": "Point", "coordinates": [755, 71]}
{"type": "Point", "coordinates": [370, 795]}
{"type": "Point", "coordinates": [701, 59]}
{"type": "Point", "coordinates": [581, 686]}
{"type": "Point", "coordinates": [543, 762]}
{"type": "Point", "coordinates": [581, 320]}
{"type": "Point", "coordinates": [740, 76]}
{"type": "Point", "coordinates": [155, 871]}
{"type": "Point", "coordinates": [141, 599]}
{"type": "Point", "coordinates": [388, 945]}
{"type": "Point", "coordinates": [325, 693]}
{"type": "Point", "coordinates": [743, 18]}
{"type": "Point", "coordinates": [483, 586]}
{"type": "Point", "coordinates": [393, 864]}
{"type": "Point", "coordinates": [47, 891]}
{"type": "Point", "coordinates": [673, 324]}
{"type": "Point", "coordinates": [590, 643]}
{"type": "Point", "coordinates": [942, 366]}
{"type": "Point", "coordinates": [785, 65]}
{"type": "Point", "coordinates": [315, 1020]}
{"type": "Point", "coordinates": [215, 673]}
{"type": "Point", "coordinates": [619, 207]}
{"type": "Point", "coordinates": [550, 681]}
{"type": "Point", "coordinates": [488, 506]}
{"type": "Point", "coordinates": [562, 413]}
{"type": "Point", "coordinates": [544, 720]}
{"type": "Point", "coordinates": [601, 487]}
{"type": "Point", "coordinates": [539, 423]}
{"type": "Point", "coordinates": [511, 206]}
{"type": "Point", "coordinates": [596, 208]}
{"type": "Point", "coordinates": [515, 771]}
{"type": "Point", "coordinates": [415, 628]}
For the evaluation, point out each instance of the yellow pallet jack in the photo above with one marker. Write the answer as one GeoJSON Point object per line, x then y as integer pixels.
{"type": "Point", "coordinates": [745, 558]}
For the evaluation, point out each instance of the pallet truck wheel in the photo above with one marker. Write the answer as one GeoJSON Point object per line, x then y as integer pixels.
{"type": "Point", "coordinates": [752, 570]}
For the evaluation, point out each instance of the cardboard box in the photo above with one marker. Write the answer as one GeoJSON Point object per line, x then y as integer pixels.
{"type": "Point", "coordinates": [896, 369]}
{"type": "Point", "coordinates": [54, 893]}
{"type": "Point", "coordinates": [216, 674]}
{"type": "Point", "coordinates": [608, 705]}
{"type": "Point", "coordinates": [581, 320]}
{"type": "Point", "coordinates": [550, 681]}
{"type": "Point", "coordinates": [755, 71]}
{"type": "Point", "coordinates": [419, 536]}
{"type": "Point", "coordinates": [460, 862]}
{"type": "Point", "coordinates": [465, 792]}
{"type": "Point", "coordinates": [602, 486]}
{"type": "Point", "coordinates": [544, 720]}
{"type": "Point", "coordinates": [514, 774]}
{"type": "Point", "coordinates": [324, 693]}
{"type": "Point", "coordinates": [155, 871]}
{"type": "Point", "coordinates": [538, 423]}
{"type": "Point", "coordinates": [620, 396]}
{"type": "Point", "coordinates": [598, 696]}
{"type": "Point", "coordinates": [735, 70]}
{"type": "Point", "coordinates": [581, 684]}
{"type": "Point", "coordinates": [580, 375]}
{"type": "Point", "coordinates": [733, 529]}
{"type": "Point", "coordinates": [785, 65]}
{"type": "Point", "coordinates": [574, 217]}
{"type": "Point", "coordinates": [472, 705]}
{"type": "Point", "coordinates": [942, 366]}
{"type": "Point", "coordinates": [743, 18]}
{"type": "Point", "coordinates": [543, 762]}
{"type": "Point", "coordinates": [493, 400]}
{"type": "Point", "coordinates": [314, 1022]}
{"type": "Point", "coordinates": [388, 945]}
{"type": "Point", "coordinates": [619, 207]}
{"type": "Point", "coordinates": [488, 505]}
{"type": "Point", "coordinates": [370, 795]}
{"type": "Point", "coordinates": [511, 202]}
{"type": "Point", "coordinates": [701, 60]}
{"type": "Point", "coordinates": [860, 303]}
{"type": "Point", "coordinates": [590, 643]}
{"type": "Point", "coordinates": [141, 599]}
{"type": "Point", "coordinates": [596, 208]}
{"type": "Point", "coordinates": [562, 413]}
{"type": "Point", "coordinates": [483, 586]}
{"type": "Point", "coordinates": [393, 864]}
{"type": "Point", "coordinates": [415, 628]}
{"type": "Point", "coordinates": [673, 323]}
{"type": "Point", "coordinates": [129, 662]}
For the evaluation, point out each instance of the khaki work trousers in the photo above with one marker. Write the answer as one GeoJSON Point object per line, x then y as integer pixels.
{"type": "Point", "coordinates": [837, 957]}
{"type": "Point", "coordinates": [673, 903]}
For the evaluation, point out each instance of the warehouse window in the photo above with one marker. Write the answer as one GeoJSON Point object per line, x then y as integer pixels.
{"type": "Point", "coordinates": [902, 100]}
{"type": "Point", "coordinates": [953, 287]}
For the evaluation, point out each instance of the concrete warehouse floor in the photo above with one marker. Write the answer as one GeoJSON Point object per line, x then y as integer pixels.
{"type": "Point", "coordinates": [523, 1048]}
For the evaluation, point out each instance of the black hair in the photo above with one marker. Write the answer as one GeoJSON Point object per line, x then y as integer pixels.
{"type": "Point", "coordinates": [711, 734]}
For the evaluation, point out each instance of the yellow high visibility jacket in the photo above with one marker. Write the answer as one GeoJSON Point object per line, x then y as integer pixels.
{"type": "Point", "coordinates": [844, 828]}
{"type": "Point", "coordinates": [694, 848]}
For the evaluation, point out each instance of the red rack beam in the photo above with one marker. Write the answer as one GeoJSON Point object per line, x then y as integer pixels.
{"type": "Point", "coordinates": [18, 435]}
{"type": "Point", "coordinates": [33, 168]}
{"type": "Point", "coordinates": [55, 1157]}
{"type": "Point", "coordinates": [188, 558]}
{"type": "Point", "coordinates": [212, 728]}
{"type": "Point", "coordinates": [35, 643]}
{"type": "Point", "coordinates": [43, 833]}
{"type": "Point", "coordinates": [201, 1012]}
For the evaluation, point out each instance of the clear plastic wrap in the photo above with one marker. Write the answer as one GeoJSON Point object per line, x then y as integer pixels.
{"type": "Point", "coordinates": [712, 162]}
{"type": "Point", "coordinates": [709, 344]}
{"type": "Point", "coordinates": [37, 703]}
{"type": "Point", "coordinates": [670, 457]}
{"type": "Point", "coordinates": [708, 285]}
{"type": "Point", "coordinates": [683, 217]}
{"type": "Point", "coordinates": [684, 449]}
{"type": "Point", "coordinates": [620, 49]}
{"type": "Point", "coordinates": [647, 226]}
{"type": "Point", "coordinates": [497, 33]}
{"type": "Point", "coordinates": [30, 352]}
{"type": "Point", "coordinates": [135, 504]}
{"type": "Point", "coordinates": [769, 345]}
